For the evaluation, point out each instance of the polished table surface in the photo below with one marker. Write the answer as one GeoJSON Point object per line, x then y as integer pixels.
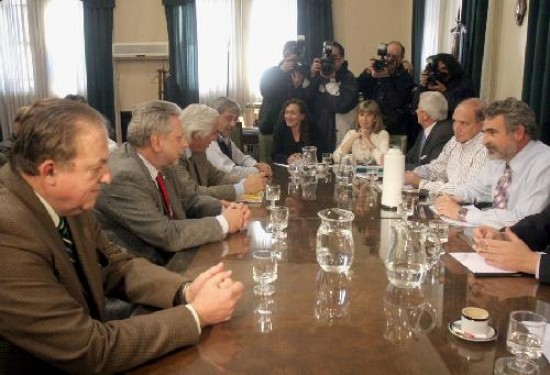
{"type": "Point", "coordinates": [326, 323]}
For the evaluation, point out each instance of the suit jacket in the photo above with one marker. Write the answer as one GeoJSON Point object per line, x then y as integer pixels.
{"type": "Point", "coordinates": [201, 177]}
{"type": "Point", "coordinates": [45, 319]}
{"type": "Point", "coordinates": [441, 133]}
{"type": "Point", "coordinates": [131, 211]}
{"type": "Point", "coordinates": [534, 230]}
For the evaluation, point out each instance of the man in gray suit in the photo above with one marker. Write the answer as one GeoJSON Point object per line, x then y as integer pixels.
{"type": "Point", "coordinates": [145, 208]}
{"type": "Point", "coordinates": [196, 172]}
{"type": "Point", "coordinates": [57, 264]}
{"type": "Point", "coordinates": [437, 130]}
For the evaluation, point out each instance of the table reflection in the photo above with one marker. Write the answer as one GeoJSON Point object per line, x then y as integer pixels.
{"type": "Point", "coordinates": [333, 296]}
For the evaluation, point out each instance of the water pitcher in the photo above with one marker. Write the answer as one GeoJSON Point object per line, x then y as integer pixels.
{"type": "Point", "coordinates": [412, 250]}
{"type": "Point", "coordinates": [309, 155]}
{"type": "Point", "coordinates": [335, 240]}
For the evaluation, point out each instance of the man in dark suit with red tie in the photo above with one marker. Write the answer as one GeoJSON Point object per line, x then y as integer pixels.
{"type": "Point", "coordinates": [145, 208]}
{"type": "Point", "coordinates": [437, 130]}
{"type": "Point", "coordinates": [53, 280]}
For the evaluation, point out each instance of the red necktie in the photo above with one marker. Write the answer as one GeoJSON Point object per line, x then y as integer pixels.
{"type": "Point", "coordinates": [164, 195]}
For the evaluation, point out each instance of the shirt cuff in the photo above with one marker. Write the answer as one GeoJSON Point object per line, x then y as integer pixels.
{"type": "Point", "coordinates": [224, 224]}
{"type": "Point", "coordinates": [239, 188]}
{"type": "Point", "coordinates": [538, 266]}
{"type": "Point", "coordinates": [196, 316]}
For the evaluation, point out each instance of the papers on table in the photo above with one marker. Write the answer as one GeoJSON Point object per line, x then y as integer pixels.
{"type": "Point", "coordinates": [456, 223]}
{"type": "Point", "coordinates": [251, 198]}
{"type": "Point", "coordinates": [476, 264]}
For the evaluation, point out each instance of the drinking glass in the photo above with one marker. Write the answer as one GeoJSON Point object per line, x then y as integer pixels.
{"type": "Point", "coordinates": [272, 193]}
{"type": "Point", "coordinates": [308, 182]}
{"type": "Point", "coordinates": [409, 199]}
{"type": "Point", "coordinates": [279, 220]}
{"type": "Point", "coordinates": [326, 159]}
{"type": "Point", "coordinates": [334, 247]}
{"type": "Point", "coordinates": [524, 340]}
{"type": "Point", "coordinates": [294, 166]}
{"type": "Point", "coordinates": [264, 272]}
{"type": "Point", "coordinates": [347, 168]}
{"type": "Point", "coordinates": [441, 229]}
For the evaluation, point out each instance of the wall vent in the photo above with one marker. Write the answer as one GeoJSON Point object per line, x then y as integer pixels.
{"type": "Point", "coordinates": [140, 50]}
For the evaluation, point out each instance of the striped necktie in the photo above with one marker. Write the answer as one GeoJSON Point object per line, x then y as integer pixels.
{"type": "Point", "coordinates": [65, 234]}
{"type": "Point", "coordinates": [501, 190]}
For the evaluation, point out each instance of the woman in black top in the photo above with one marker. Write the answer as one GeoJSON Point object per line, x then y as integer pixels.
{"type": "Point", "coordinates": [292, 132]}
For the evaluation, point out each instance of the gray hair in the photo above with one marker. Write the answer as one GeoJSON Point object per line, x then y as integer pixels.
{"type": "Point", "coordinates": [152, 117]}
{"type": "Point", "coordinates": [223, 104]}
{"type": "Point", "coordinates": [516, 113]}
{"type": "Point", "coordinates": [200, 119]}
{"type": "Point", "coordinates": [434, 104]}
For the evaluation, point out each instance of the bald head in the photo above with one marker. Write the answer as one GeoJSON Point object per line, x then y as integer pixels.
{"type": "Point", "coordinates": [468, 119]}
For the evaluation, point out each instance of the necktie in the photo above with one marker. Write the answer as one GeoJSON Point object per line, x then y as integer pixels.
{"type": "Point", "coordinates": [422, 143]}
{"type": "Point", "coordinates": [70, 248]}
{"type": "Point", "coordinates": [65, 234]}
{"type": "Point", "coordinates": [164, 195]}
{"type": "Point", "coordinates": [501, 190]}
{"type": "Point", "coordinates": [224, 147]}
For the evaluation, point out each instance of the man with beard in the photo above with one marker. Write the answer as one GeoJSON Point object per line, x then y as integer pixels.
{"type": "Point", "coordinates": [517, 180]}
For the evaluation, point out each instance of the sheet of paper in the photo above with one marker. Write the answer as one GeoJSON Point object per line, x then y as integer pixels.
{"type": "Point", "coordinates": [454, 222]}
{"type": "Point", "coordinates": [546, 343]}
{"type": "Point", "coordinates": [476, 264]}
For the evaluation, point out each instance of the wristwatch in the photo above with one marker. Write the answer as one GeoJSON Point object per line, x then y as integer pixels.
{"type": "Point", "coordinates": [462, 212]}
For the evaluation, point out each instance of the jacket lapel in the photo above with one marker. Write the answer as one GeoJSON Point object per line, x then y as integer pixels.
{"type": "Point", "coordinates": [43, 225]}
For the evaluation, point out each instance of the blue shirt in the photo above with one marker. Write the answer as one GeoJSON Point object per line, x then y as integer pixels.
{"type": "Point", "coordinates": [528, 193]}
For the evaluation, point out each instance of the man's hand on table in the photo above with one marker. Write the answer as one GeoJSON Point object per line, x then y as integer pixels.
{"type": "Point", "coordinates": [214, 295]}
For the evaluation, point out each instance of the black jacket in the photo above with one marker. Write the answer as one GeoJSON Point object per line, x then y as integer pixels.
{"type": "Point", "coordinates": [392, 95]}
{"type": "Point", "coordinates": [441, 133]}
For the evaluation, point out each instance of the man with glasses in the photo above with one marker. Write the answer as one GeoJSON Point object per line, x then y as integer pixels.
{"type": "Point", "coordinates": [390, 86]}
{"type": "Point", "coordinates": [330, 89]}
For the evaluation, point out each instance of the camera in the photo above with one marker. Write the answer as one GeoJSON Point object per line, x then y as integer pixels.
{"type": "Point", "coordinates": [433, 72]}
{"type": "Point", "coordinates": [327, 61]}
{"type": "Point", "coordinates": [299, 51]}
{"type": "Point", "coordinates": [382, 51]}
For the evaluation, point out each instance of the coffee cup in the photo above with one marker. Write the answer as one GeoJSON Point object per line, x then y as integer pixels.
{"type": "Point", "coordinates": [475, 321]}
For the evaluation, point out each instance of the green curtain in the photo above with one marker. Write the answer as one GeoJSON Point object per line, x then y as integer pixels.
{"type": "Point", "coordinates": [419, 8]}
{"type": "Point", "coordinates": [474, 17]}
{"type": "Point", "coordinates": [98, 39]}
{"type": "Point", "coordinates": [536, 76]}
{"type": "Point", "coordinates": [181, 20]}
{"type": "Point", "coordinates": [315, 23]}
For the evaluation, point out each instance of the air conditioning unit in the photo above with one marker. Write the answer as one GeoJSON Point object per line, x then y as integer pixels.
{"type": "Point", "coordinates": [140, 50]}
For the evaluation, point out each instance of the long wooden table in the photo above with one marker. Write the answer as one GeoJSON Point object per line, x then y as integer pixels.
{"type": "Point", "coordinates": [321, 323]}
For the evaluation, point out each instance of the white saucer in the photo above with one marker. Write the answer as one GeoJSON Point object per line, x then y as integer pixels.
{"type": "Point", "coordinates": [455, 328]}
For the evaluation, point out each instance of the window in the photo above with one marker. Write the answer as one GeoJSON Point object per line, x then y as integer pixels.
{"type": "Point", "coordinates": [39, 55]}
{"type": "Point", "coordinates": [237, 41]}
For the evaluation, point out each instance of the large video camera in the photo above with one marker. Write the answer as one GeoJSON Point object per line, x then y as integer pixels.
{"type": "Point", "coordinates": [433, 72]}
{"type": "Point", "coordinates": [381, 51]}
{"type": "Point", "coordinates": [327, 60]}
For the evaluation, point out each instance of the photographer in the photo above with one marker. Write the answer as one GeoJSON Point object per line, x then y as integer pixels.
{"type": "Point", "coordinates": [443, 73]}
{"type": "Point", "coordinates": [331, 89]}
{"type": "Point", "coordinates": [388, 83]}
{"type": "Point", "coordinates": [278, 84]}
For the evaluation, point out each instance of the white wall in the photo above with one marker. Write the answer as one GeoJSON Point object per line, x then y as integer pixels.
{"type": "Point", "coordinates": [138, 21]}
{"type": "Point", "coordinates": [359, 25]}
{"type": "Point", "coordinates": [508, 64]}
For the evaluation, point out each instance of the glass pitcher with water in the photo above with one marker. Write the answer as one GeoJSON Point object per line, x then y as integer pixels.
{"type": "Point", "coordinates": [335, 240]}
{"type": "Point", "coordinates": [413, 250]}
{"type": "Point", "coordinates": [309, 155]}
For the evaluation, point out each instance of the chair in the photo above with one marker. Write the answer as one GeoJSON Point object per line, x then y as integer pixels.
{"type": "Point", "coordinates": [266, 147]}
{"type": "Point", "coordinates": [237, 135]}
{"type": "Point", "coordinates": [399, 140]}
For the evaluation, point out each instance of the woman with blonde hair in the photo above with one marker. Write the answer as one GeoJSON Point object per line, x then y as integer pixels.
{"type": "Point", "coordinates": [369, 141]}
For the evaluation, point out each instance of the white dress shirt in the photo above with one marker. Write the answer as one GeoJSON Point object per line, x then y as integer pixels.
{"type": "Point", "coordinates": [457, 164]}
{"type": "Point", "coordinates": [528, 193]}
{"type": "Point", "coordinates": [239, 164]}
